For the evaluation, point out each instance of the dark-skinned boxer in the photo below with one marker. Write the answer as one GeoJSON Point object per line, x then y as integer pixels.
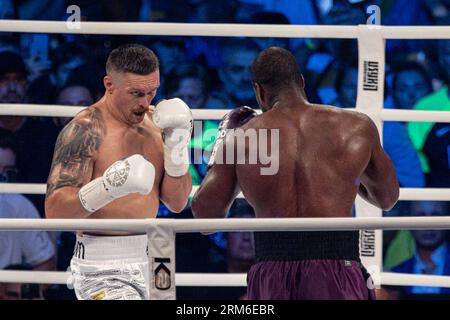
{"type": "Point", "coordinates": [326, 157]}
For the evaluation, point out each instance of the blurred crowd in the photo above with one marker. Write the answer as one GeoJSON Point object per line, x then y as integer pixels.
{"type": "Point", "coordinates": [214, 73]}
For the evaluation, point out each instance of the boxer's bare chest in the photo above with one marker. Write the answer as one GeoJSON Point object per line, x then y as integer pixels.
{"type": "Point", "coordinates": [119, 143]}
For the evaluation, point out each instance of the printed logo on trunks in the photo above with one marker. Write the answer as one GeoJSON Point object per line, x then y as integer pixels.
{"type": "Point", "coordinates": [368, 243]}
{"type": "Point", "coordinates": [118, 173]}
{"type": "Point", "coordinates": [98, 296]}
{"type": "Point", "coordinates": [79, 250]}
{"type": "Point", "coordinates": [371, 73]}
{"type": "Point", "coordinates": [162, 274]}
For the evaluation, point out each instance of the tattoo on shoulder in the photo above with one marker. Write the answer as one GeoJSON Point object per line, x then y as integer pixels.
{"type": "Point", "coordinates": [75, 151]}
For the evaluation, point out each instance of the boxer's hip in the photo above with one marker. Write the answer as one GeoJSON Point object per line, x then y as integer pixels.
{"type": "Point", "coordinates": [309, 280]}
{"type": "Point", "coordinates": [105, 248]}
{"type": "Point", "coordinates": [308, 265]}
{"type": "Point", "coordinates": [111, 267]}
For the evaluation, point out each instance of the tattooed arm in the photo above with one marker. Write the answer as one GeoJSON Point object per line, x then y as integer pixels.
{"type": "Point", "coordinates": [75, 153]}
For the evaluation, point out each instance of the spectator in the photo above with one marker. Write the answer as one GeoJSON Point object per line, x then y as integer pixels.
{"type": "Point", "coordinates": [439, 100]}
{"type": "Point", "coordinates": [41, 10]}
{"type": "Point", "coordinates": [321, 64]}
{"type": "Point", "coordinates": [7, 10]}
{"type": "Point", "coordinates": [240, 247]}
{"type": "Point", "coordinates": [414, 12]}
{"type": "Point", "coordinates": [65, 58]}
{"type": "Point", "coordinates": [239, 255]}
{"type": "Point", "coordinates": [19, 291]}
{"type": "Point", "coordinates": [32, 248]}
{"type": "Point", "coordinates": [270, 17]}
{"type": "Point", "coordinates": [171, 52]}
{"type": "Point", "coordinates": [234, 73]}
{"type": "Point", "coordinates": [395, 137]}
{"type": "Point", "coordinates": [197, 253]}
{"type": "Point", "coordinates": [9, 41]}
{"type": "Point", "coordinates": [411, 82]}
{"type": "Point", "coordinates": [104, 10]}
{"type": "Point", "coordinates": [31, 135]}
{"type": "Point", "coordinates": [212, 11]}
{"type": "Point", "coordinates": [342, 13]}
{"type": "Point", "coordinates": [432, 252]}
{"type": "Point", "coordinates": [191, 83]}
{"type": "Point", "coordinates": [437, 152]}
{"type": "Point", "coordinates": [72, 95]}
{"type": "Point", "coordinates": [89, 75]}
{"type": "Point", "coordinates": [346, 85]}
{"type": "Point", "coordinates": [298, 12]}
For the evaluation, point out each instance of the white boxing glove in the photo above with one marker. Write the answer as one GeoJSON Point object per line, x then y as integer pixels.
{"type": "Point", "coordinates": [130, 175]}
{"type": "Point", "coordinates": [175, 119]}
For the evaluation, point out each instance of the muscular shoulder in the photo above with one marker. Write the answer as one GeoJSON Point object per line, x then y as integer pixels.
{"type": "Point", "coordinates": [86, 125]}
{"type": "Point", "coordinates": [91, 118]}
{"type": "Point", "coordinates": [350, 121]}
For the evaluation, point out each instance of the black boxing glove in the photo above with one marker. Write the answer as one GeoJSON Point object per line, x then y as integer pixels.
{"type": "Point", "coordinates": [232, 120]}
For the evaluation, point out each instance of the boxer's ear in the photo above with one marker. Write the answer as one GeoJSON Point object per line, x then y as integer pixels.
{"type": "Point", "coordinates": [259, 93]}
{"type": "Point", "coordinates": [107, 82]}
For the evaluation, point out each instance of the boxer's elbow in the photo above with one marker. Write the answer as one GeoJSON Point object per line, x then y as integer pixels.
{"type": "Point", "coordinates": [177, 206]}
{"type": "Point", "coordinates": [390, 200]}
{"type": "Point", "coordinates": [51, 211]}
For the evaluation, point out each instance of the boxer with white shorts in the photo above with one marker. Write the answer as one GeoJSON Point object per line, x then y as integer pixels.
{"type": "Point", "coordinates": [116, 160]}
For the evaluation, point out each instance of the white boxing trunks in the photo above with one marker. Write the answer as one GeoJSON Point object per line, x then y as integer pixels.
{"type": "Point", "coordinates": [111, 267]}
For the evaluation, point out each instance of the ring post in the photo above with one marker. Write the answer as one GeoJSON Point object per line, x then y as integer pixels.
{"type": "Point", "coordinates": [370, 100]}
{"type": "Point", "coordinates": [161, 255]}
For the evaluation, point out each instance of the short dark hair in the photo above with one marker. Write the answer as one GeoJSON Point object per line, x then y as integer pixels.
{"type": "Point", "coordinates": [133, 58]}
{"type": "Point", "coordinates": [276, 68]}
{"type": "Point", "coordinates": [176, 75]}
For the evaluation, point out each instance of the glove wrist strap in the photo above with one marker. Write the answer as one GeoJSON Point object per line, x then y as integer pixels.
{"type": "Point", "coordinates": [94, 195]}
{"type": "Point", "coordinates": [176, 161]}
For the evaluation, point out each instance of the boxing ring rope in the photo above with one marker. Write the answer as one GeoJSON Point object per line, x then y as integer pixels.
{"type": "Point", "coordinates": [221, 29]}
{"type": "Point", "coordinates": [39, 110]}
{"type": "Point", "coordinates": [216, 279]}
{"type": "Point", "coordinates": [365, 35]}
{"type": "Point", "coordinates": [213, 225]}
{"type": "Point", "coordinates": [406, 194]}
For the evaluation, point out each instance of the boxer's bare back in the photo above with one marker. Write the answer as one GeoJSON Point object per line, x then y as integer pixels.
{"type": "Point", "coordinates": [326, 157]}
{"type": "Point", "coordinates": [325, 153]}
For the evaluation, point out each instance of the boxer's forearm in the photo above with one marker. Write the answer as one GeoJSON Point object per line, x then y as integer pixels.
{"type": "Point", "coordinates": [174, 192]}
{"type": "Point", "coordinates": [206, 203]}
{"type": "Point", "coordinates": [64, 203]}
